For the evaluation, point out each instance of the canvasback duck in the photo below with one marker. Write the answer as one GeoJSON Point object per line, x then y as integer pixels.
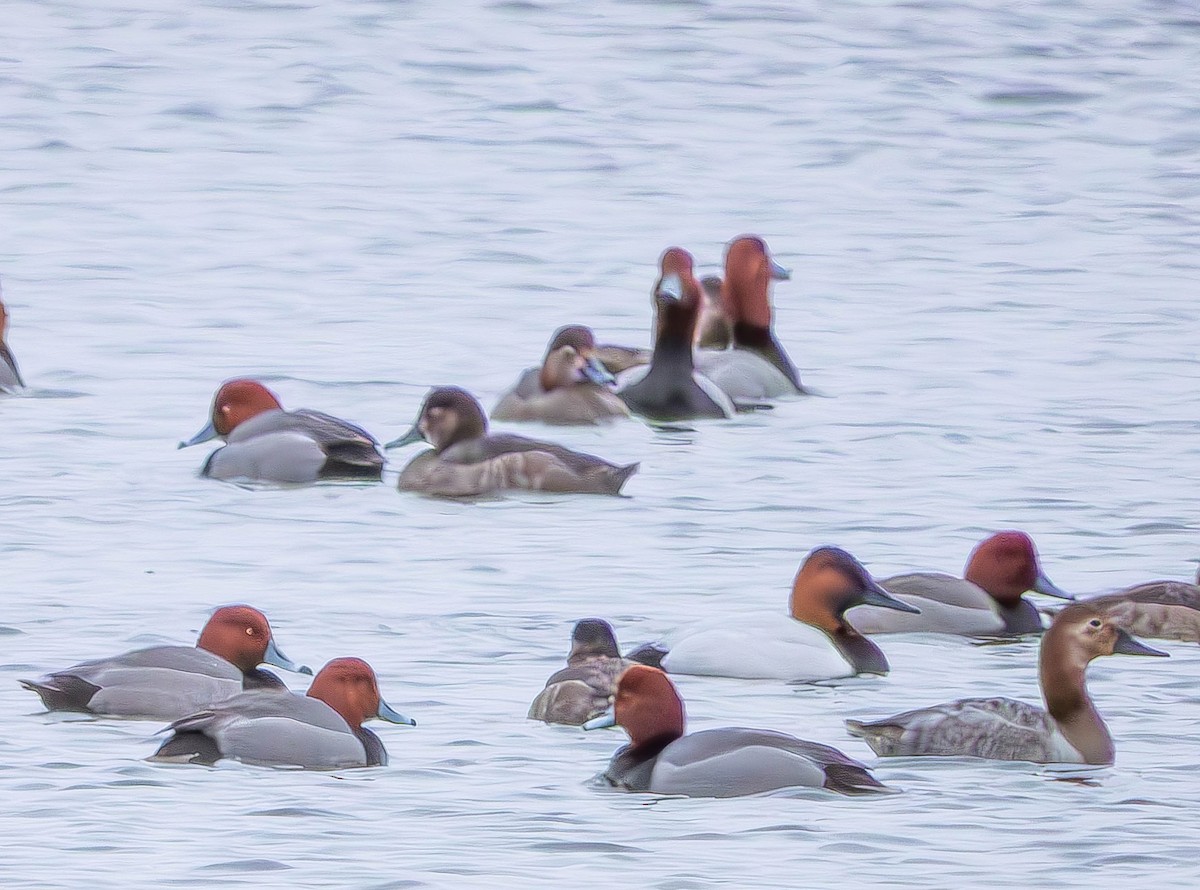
{"type": "Point", "coordinates": [466, 461]}
{"type": "Point", "coordinates": [757, 367]}
{"type": "Point", "coordinates": [572, 386]}
{"type": "Point", "coordinates": [319, 730]}
{"type": "Point", "coordinates": [166, 682]}
{"type": "Point", "coordinates": [715, 762]}
{"type": "Point", "coordinates": [266, 443]}
{"type": "Point", "coordinates": [670, 389]}
{"type": "Point", "coordinates": [987, 600]}
{"type": "Point", "coordinates": [10, 376]}
{"type": "Point", "coordinates": [1069, 730]}
{"type": "Point", "coordinates": [1166, 610]}
{"type": "Point", "coordinates": [815, 643]}
{"type": "Point", "coordinates": [585, 687]}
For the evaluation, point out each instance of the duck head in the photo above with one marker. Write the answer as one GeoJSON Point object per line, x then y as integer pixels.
{"type": "Point", "coordinates": [829, 582]}
{"type": "Point", "coordinates": [593, 637]}
{"type": "Point", "coordinates": [235, 403]}
{"type": "Point", "coordinates": [647, 706]}
{"type": "Point", "coordinates": [348, 686]}
{"type": "Point", "coordinates": [1006, 566]}
{"type": "Point", "coordinates": [749, 271]}
{"type": "Point", "coordinates": [448, 415]}
{"type": "Point", "coordinates": [571, 359]}
{"type": "Point", "coordinates": [242, 636]}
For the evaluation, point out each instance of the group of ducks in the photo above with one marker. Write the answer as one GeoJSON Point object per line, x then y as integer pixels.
{"type": "Point", "coordinates": [714, 354]}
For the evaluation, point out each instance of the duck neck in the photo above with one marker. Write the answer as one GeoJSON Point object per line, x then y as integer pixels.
{"type": "Point", "coordinates": [1020, 618]}
{"type": "Point", "coordinates": [864, 656]}
{"type": "Point", "coordinates": [762, 341]}
{"type": "Point", "coordinates": [673, 346]}
{"type": "Point", "coordinates": [1065, 692]}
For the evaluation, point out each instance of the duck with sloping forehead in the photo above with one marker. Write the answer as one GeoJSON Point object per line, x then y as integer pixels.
{"type": "Point", "coordinates": [1067, 730]}
{"type": "Point", "coordinates": [571, 387]}
{"type": "Point", "coordinates": [467, 461]}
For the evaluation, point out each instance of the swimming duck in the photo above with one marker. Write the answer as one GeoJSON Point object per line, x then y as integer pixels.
{"type": "Point", "coordinates": [715, 762]}
{"type": "Point", "coordinates": [987, 600]}
{"type": "Point", "coordinates": [1069, 730]}
{"type": "Point", "coordinates": [266, 443]}
{"type": "Point", "coordinates": [757, 367]}
{"type": "Point", "coordinates": [571, 386]}
{"type": "Point", "coordinates": [585, 687]}
{"type": "Point", "coordinates": [714, 330]}
{"type": "Point", "coordinates": [10, 377]}
{"type": "Point", "coordinates": [815, 643]}
{"type": "Point", "coordinates": [466, 461]}
{"type": "Point", "coordinates": [671, 390]}
{"type": "Point", "coordinates": [165, 682]}
{"type": "Point", "coordinates": [1167, 610]}
{"type": "Point", "coordinates": [319, 730]}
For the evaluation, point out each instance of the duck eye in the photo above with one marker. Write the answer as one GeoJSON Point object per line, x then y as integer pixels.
{"type": "Point", "coordinates": [249, 631]}
{"type": "Point", "coordinates": [1095, 622]}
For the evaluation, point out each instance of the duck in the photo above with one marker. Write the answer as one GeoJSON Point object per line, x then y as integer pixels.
{"type": "Point", "coordinates": [1067, 730]}
{"type": "Point", "coordinates": [1165, 610]}
{"type": "Point", "coordinates": [319, 730]}
{"type": "Point", "coordinates": [267, 444]}
{"type": "Point", "coordinates": [10, 375]}
{"type": "Point", "coordinates": [467, 461]}
{"type": "Point", "coordinates": [987, 601]}
{"type": "Point", "coordinates": [166, 682]}
{"type": "Point", "coordinates": [714, 330]}
{"type": "Point", "coordinates": [572, 386]}
{"type": "Point", "coordinates": [815, 643]}
{"type": "Point", "coordinates": [727, 762]}
{"type": "Point", "coordinates": [585, 687]}
{"type": "Point", "coordinates": [756, 367]}
{"type": "Point", "coordinates": [670, 390]}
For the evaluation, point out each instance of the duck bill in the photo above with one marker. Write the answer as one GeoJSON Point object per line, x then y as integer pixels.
{"type": "Point", "coordinates": [779, 273]}
{"type": "Point", "coordinates": [1044, 585]}
{"type": "Point", "coordinates": [1127, 645]}
{"type": "Point", "coordinates": [877, 596]}
{"type": "Point", "coordinates": [278, 659]}
{"type": "Point", "coordinates": [670, 286]}
{"type": "Point", "coordinates": [388, 713]}
{"type": "Point", "coordinates": [205, 435]}
{"type": "Point", "coordinates": [413, 435]}
{"type": "Point", "coordinates": [594, 371]}
{"type": "Point", "coordinates": [604, 721]}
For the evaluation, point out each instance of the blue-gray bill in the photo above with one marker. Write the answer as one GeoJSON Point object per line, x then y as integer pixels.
{"type": "Point", "coordinates": [388, 713]}
{"type": "Point", "coordinates": [604, 721]}
{"type": "Point", "coordinates": [205, 435]}
{"type": "Point", "coordinates": [413, 435]}
{"type": "Point", "coordinates": [1127, 645]}
{"type": "Point", "coordinates": [1042, 584]}
{"type": "Point", "coordinates": [278, 659]}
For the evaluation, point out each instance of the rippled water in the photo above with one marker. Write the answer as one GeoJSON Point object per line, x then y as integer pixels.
{"type": "Point", "coordinates": [992, 216]}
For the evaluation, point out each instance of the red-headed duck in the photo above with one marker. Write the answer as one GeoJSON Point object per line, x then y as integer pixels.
{"type": "Point", "coordinates": [584, 688]}
{"type": "Point", "coordinates": [266, 443]}
{"type": "Point", "coordinates": [10, 376]}
{"type": "Point", "coordinates": [671, 390]}
{"type": "Point", "coordinates": [466, 461]}
{"type": "Point", "coordinates": [1167, 610]}
{"type": "Point", "coordinates": [814, 643]}
{"type": "Point", "coordinates": [572, 386]}
{"type": "Point", "coordinates": [987, 600]}
{"type": "Point", "coordinates": [757, 367]}
{"type": "Point", "coordinates": [715, 762]}
{"type": "Point", "coordinates": [320, 730]}
{"type": "Point", "coordinates": [1069, 730]}
{"type": "Point", "coordinates": [165, 682]}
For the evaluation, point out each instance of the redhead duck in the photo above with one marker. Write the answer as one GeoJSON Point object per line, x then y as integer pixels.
{"type": "Point", "coordinates": [584, 688]}
{"type": "Point", "coordinates": [165, 682]}
{"type": "Point", "coordinates": [266, 443]}
{"type": "Point", "coordinates": [757, 367]}
{"type": "Point", "coordinates": [572, 387]}
{"type": "Point", "coordinates": [1167, 610]}
{"type": "Point", "coordinates": [466, 461]}
{"type": "Point", "coordinates": [1068, 731]}
{"type": "Point", "coordinates": [671, 390]}
{"type": "Point", "coordinates": [715, 762]}
{"type": "Point", "coordinates": [987, 600]}
{"type": "Point", "coordinates": [815, 643]}
{"type": "Point", "coordinates": [10, 377]}
{"type": "Point", "coordinates": [319, 730]}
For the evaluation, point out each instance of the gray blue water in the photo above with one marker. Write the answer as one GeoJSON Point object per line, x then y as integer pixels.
{"type": "Point", "coordinates": [992, 216]}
